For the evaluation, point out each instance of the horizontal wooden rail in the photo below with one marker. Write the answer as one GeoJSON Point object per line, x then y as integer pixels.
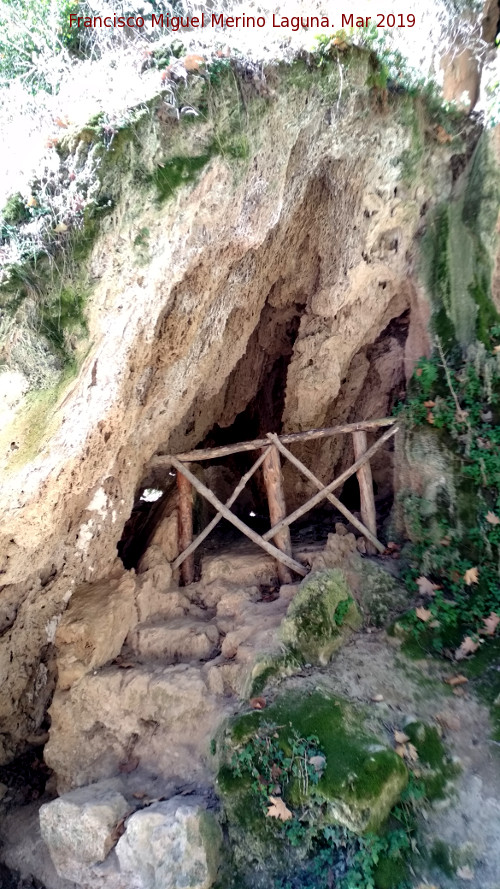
{"type": "Point", "coordinates": [311, 435]}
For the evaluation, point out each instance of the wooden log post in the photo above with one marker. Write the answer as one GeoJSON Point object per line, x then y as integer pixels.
{"type": "Point", "coordinates": [364, 475]}
{"type": "Point", "coordinates": [185, 526]}
{"type": "Point", "coordinates": [227, 514]}
{"type": "Point", "coordinates": [337, 482]}
{"type": "Point", "coordinates": [331, 497]}
{"type": "Point", "coordinates": [273, 480]}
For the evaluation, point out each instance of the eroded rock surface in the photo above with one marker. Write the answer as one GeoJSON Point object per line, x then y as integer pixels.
{"type": "Point", "coordinates": [79, 828]}
{"type": "Point", "coordinates": [290, 272]}
{"type": "Point", "coordinates": [170, 845]}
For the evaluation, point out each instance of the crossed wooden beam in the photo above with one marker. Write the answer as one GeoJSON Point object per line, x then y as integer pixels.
{"type": "Point", "coordinates": [269, 458]}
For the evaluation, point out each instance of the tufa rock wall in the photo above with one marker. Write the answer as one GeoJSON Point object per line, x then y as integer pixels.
{"type": "Point", "coordinates": [273, 239]}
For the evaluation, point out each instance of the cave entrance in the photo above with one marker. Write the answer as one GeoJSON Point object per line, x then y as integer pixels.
{"type": "Point", "coordinates": [276, 541]}
{"type": "Point", "coordinates": [262, 371]}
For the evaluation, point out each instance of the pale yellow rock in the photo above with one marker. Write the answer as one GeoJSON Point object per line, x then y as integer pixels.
{"type": "Point", "coordinates": [163, 716]}
{"type": "Point", "coordinates": [93, 628]}
{"type": "Point", "coordinates": [179, 639]}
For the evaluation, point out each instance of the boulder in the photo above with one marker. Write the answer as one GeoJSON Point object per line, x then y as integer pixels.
{"type": "Point", "coordinates": [160, 717]}
{"type": "Point", "coordinates": [154, 599]}
{"type": "Point", "coordinates": [241, 567]}
{"type": "Point", "coordinates": [170, 845]}
{"type": "Point", "coordinates": [94, 626]}
{"type": "Point", "coordinates": [320, 616]}
{"type": "Point", "coordinates": [79, 827]}
{"type": "Point", "coordinates": [359, 777]}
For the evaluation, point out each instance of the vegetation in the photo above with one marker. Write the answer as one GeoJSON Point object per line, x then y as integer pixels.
{"type": "Point", "coordinates": [277, 778]}
{"type": "Point", "coordinates": [457, 549]}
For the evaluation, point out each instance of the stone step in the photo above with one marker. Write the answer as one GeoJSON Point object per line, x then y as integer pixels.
{"type": "Point", "coordinates": [159, 718]}
{"type": "Point", "coordinates": [183, 639]}
{"type": "Point", "coordinates": [154, 602]}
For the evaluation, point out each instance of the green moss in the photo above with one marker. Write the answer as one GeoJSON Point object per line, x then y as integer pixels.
{"type": "Point", "coordinates": [34, 422]}
{"type": "Point", "coordinates": [487, 315]}
{"type": "Point", "coordinates": [441, 856]}
{"type": "Point", "coordinates": [269, 667]}
{"type": "Point", "coordinates": [362, 779]}
{"type": "Point", "coordinates": [211, 835]}
{"type": "Point", "coordinates": [175, 172]}
{"type": "Point", "coordinates": [457, 254]}
{"type": "Point", "coordinates": [439, 769]}
{"type": "Point", "coordinates": [311, 627]}
{"type": "Point", "coordinates": [390, 873]}
{"type": "Point", "coordinates": [15, 211]}
{"type": "Point", "coordinates": [63, 313]}
{"type": "Point", "coordinates": [484, 677]}
{"type": "Point", "coordinates": [380, 595]}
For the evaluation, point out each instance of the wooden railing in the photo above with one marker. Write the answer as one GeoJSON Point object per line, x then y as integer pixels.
{"type": "Point", "coordinates": [269, 458]}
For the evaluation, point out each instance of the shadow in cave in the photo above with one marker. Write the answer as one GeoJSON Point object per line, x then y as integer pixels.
{"type": "Point", "coordinates": [262, 414]}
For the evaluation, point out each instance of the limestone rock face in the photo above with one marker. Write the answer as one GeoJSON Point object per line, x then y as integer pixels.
{"type": "Point", "coordinates": [161, 717]}
{"type": "Point", "coordinates": [178, 640]}
{"type": "Point", "coordinates": [93, 628]}
{"type": "Point", "coordinates": [78, 828]}
{"type": "Point", "coordinates": [170, 845]}
{"type": "Point", "coordinates": [281, 286]}
{"type": "Point", "coordinates": [320, 616]}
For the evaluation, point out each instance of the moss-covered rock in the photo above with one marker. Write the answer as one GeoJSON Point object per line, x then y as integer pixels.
{"type": "Point", "coordinates": [320, 617]}
{"type": "Point", "coordinates": [380, 595]}
{"type": "Point", "coordinates": [458, 256]}
{"type": "Point", "coordinates": [436, 766]}
{"type": "Point", "coordinates": [360, 782]}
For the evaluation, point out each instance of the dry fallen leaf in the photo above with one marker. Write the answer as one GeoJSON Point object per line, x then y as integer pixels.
{"type": "Point", "coordinates": [423, 614]}
{"type": "Point", "coordinates": [257, 703]}
{"type": "Point", "coordinates": [490, 624]}
{"type": "Point", "coordinates": [429, 404]}
{"type": "Point", "coordinates": [393, 547]}
{"type": "Point", "coordinates": [400, 750]}
{"type": "Point", "coordinates": [471, 576]}
{"type": "Point", "coordinates": [426, 587]}
{"type": "Point", "coordinates": [456, 680]}
{"type": "Point", "coordinates": [467, 647]}
{"type": "Point", "coordinates": [377, 699]}
{"type": "Point", "coordinates": [442, 136]}
{"type": "Point", "coordinates": [278, 809]}
{"type": "Point", "coordinates": [459, 692]}
{"type": "Point", "coordinates": [492, 518]}
{"type": "Point", "coordinates": [465, 873]}
{"type": "Point", "coordinates": [400, 737]}
{"type": "Point", "coordinates": [448, 721]}
{"type": "Point", "coordinates": [119, 829]}
{"type": "Point", "coordinates": [412, 752]}
{"type": "Point", "coordinates": [496, 349]}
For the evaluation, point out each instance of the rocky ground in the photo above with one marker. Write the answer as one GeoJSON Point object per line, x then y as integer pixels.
{"type": "Point", "coordinates": [200, 653]}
